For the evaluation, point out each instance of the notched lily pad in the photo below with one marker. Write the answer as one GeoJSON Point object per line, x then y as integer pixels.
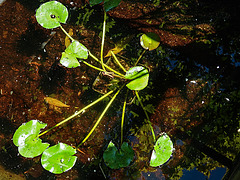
{"type": "Point", "coordinates": [150, 41]}
{"type": "Point", "coordinates": [50, 14]}
{"type": "Point", "coordinates": [139, 76]}
{"type": "Point", "coordinates": [59, 158]}
{"type": "Point", "coordinates": [162, 151]}
{"type": "Point", "coordinates": [115, 158]}
{"type": "Point", "coordinates": [69, 60]}
{"type": "Point", "coordinates": [26, 139]}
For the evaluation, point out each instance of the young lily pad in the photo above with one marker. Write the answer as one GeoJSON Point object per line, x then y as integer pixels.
{"type": "Point", "coordinates": [150, 41]}
{"type": "Point", "coordinates": [26, 139]}
{"type": "Point", "coordinates": [115, 158]}
{"type": "Point", "coordinates": [139, 76]}
{"type": "Point", "coordinates": [162, 151]}
{"type": "Point", "coordinates": [77, 50]}
{"type": "Point", "coordinates": [59, 158]}
{"type": "Point", "coordinates": [68, 60]}
{"type": "Point", "coordinates": [50, 14]}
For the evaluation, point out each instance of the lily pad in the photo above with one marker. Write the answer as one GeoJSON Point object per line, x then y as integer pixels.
{"type": "Point", "coordinates": [59, 158]}
{"type": "Point", "coordinates": [77, 50]}
{"type": "Point", "coordinates": [115, 158]}
{"type": "Point", "coordinates": [162, 151]}
{"type": "Point", "coordinates": [26, 139]}
{"type": "Point", "coordinates": [150, 41]}
{"type": "Point", "coordinates": [68, 60]}
{"type": "Point", "coordinates": [139, 76]}
{"type": "Point", "coordinates": [50, 14]}
{"type": "Point", "coordinates": [33, 147]}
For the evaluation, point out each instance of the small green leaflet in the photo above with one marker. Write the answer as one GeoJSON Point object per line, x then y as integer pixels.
{"type": "Point", "coordinates": [74, 50]}
{"type": "Point", "coordinates": [26, 139]}
{"type": "Point", "coordinates": [50, 14]}
{"type": "Point", "coordinates": [59, 158]}
{"type": "Point", "coordinates": [115, 158]}
{"type": "Point", "coordinates": [139, 76]}
{"type": "Point", "coordinates": [162, 151]}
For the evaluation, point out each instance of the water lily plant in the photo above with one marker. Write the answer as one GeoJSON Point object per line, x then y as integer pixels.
{"type": "Point", "coordinates": [60, 157]}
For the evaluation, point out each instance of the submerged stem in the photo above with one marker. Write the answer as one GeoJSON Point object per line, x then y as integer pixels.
{"type": "Point", "coordinates": [123, 115]}
{"type": "Point", "coordinates": [70, 37]}
{"type": "Point", "coordinates": [77, 113]}
{"type": "Point", "coordinates": [103, 37]}
{"type": "Point", "coordinates": [100, 117]}
{"type": "Point", "coordinates": [139, 58]}
{"type": "Point", "coordinates": [148, 120]}
{"type": "Point", "coordinates": [109, 68]}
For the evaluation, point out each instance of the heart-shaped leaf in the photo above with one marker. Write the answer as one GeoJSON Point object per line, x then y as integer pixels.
{"type": "Point", "coordinates": [69, 60]}
{"type": "Point", "coordinates": [139, 76]}
{"type": "Point", "coordinates": [26, 139]}
{"type": "Point", "coordinates": [77, 50]}
{"type": "Point", "coordinates": [162, 151]}
{"type": "Point", "coordinates": [50, 14]}
{"type": "Point", "coordinates": [59, 158]}
{"type": "Point", "coordinates": [150, 41]}
{"type": "Point", "coordinates": [115, 158]}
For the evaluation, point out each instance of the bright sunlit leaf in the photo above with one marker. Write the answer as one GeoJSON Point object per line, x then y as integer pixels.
{"type": "Point", "coordinates": [139, 76]}
{"type": "Point", "coordinates": [69, 60]}
{"type": "Point", "coordinates": [26, 139]}
{"type": "Point", "coordinates": [50, 14]}
{"type": "Point", "coordinates": [162, 151]}
{"type": "Point", "coordinates": [59, 158]}
{"type": "Point", "coordinates": [77, 50]}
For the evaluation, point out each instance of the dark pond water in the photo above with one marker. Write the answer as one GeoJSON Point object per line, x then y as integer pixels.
{"type": "Point", "coordinates": [193, 92]}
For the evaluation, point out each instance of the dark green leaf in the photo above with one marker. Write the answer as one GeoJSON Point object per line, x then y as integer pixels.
{"type": "Point", "coordinates": [115, 158]}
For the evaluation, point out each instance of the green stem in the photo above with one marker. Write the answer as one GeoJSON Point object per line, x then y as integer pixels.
{"type": "Point", "coordinates": [94, 67]}
{"type": "Point", "coordinates": [140, 57]}
{"type": "Point", "coordinates": [149, 122]}
{"type": "Point", "coordinates": [100, 118]}
{"type": "Point", "coordinates": [103, 37]}
{"type": "Point", "coordinates": [123, 115]}
{"type": "Point", "coordinates": [119, 64]}
{"type": "Point", "coordinates": [77, 113]}
{"type": "Point", "coordinates": [70, 37]}
{"type": "Point", "coordinates": [109, 68]}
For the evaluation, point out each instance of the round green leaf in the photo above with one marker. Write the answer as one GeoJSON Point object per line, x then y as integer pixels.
{"type": "Point", "coordinates": [26, 129]}
{"type": "Point", "coordinates": [50, 14]}
{"type": "Point", "coordinates": [59, 158]}
{"type": "Point", "coordinates": [33, 147]}
{"type": "Point", "coordinates": [162, 151]}
{"type": "Point", "coordinates": [68, 60]}
{"type": "Point", "coordinates": [115, 158]}
{"type": "Point", "coordinates": [139, 76]}
{"type": "Point", "coordinates": [150, 41]}
{"type": "Point", "coordinates": [77, 50]}
{"type": "Point", "coordinates": [26, 139]}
